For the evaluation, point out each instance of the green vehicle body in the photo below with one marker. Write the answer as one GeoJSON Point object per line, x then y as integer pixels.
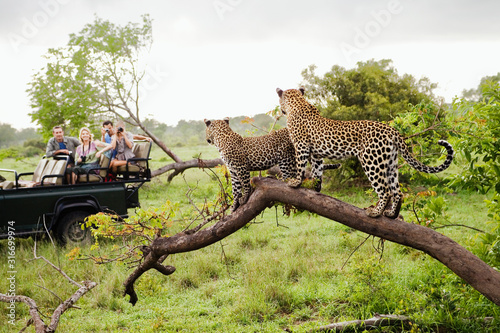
{"type": "Point", "coordinates": [61, 209]}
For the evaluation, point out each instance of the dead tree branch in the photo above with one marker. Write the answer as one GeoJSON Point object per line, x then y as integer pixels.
{"type": "Point", "coordinates": [268, 191]}
{"type": "Point", "coordinates": [40, 326]}
{"type": "Point", "coordinates": [357, 325]}
{"type": "Point", "coordinates": [180, 167]}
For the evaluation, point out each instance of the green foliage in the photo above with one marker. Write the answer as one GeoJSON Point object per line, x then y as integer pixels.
{"type": "Point", "coordinates": [9, 136]}
{"type": "Point", "coordinates": [9, 152]}
{"type": "Point", "coordinates": [373, 91]}
{"type": "Point", "coordinates": [192, 132]}
{"type": "Point", "coordinates": [489, 242]}
{"type": "Point", "coordinates": [423, 124]}
{"type": "Point", "coordinates": [135, 231]}
{"type": "Point", "coordinates": [279, 272]}
{"type": "Point", "coordinates": [476, 95]}
{"type": "Point", "coordinates": [30, 148]}
{"type": "Point", "coordinates": [480, 145]}
{"type": "Point", "coordinates": [93, 77]}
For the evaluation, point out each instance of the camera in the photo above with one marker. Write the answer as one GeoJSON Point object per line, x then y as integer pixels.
{"type": "Point", "coordinates": [107, 129]}
{"type": "Point", "coordinates": [120, 129]}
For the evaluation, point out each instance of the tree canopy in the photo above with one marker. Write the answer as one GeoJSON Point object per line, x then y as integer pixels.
{"type": "Point", "coordinates": [96, 76]}
{"type": "Point", "coordinates": [477, 93]}
{"type": "Point", "coordinates": [373, 90]}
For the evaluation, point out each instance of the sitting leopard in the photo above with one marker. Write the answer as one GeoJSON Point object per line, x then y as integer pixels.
{"type": "Point", "coordinates": [375, 144]}
{"type": "Point", "coordinates": [242, 155]}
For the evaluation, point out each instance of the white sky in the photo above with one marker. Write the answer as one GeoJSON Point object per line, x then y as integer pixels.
{"type": "Point", "coordinates": [218, 58]}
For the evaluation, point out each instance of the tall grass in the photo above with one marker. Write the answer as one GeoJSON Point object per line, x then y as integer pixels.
{"type": "Point", "coordinates": [275, 273]}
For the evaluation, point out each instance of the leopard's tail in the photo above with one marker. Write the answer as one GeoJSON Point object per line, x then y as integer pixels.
{"type": "Point", "coordinates": [331, 166]}
{"type": "Point", "coordinates": [403, 149]}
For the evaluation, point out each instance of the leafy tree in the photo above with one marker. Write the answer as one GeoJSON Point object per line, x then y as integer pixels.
{"type": "Point", "coordinates": [476, 94]}
{"type": "Point", "coordinates": [83, 80]}
{"type": "Point", "coordinates": [7, 135]}
{"type": "Point", "coordinates": [479, 147]}
{"type": "Point", "coordinates": [97, 76]}
{"type": "Point", "coordinates": [373, 90]}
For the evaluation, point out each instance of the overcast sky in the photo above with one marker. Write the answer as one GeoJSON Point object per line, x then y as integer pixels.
{"type": "Point", "coordinates": [218, 58]}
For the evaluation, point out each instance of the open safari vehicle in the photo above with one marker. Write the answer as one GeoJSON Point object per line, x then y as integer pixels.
{"type": "Point", "coordinates": [42, 201]}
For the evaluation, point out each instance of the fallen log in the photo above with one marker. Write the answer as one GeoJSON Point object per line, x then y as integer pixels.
{"type": "Point", "coordinates": [376, 321]}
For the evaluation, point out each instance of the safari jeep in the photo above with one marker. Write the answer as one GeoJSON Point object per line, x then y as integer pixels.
{"type": "Point", "coordinates": [41, 202]}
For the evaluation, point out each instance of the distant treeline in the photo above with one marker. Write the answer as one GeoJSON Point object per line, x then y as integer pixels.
{"type": "Point", "coordinates": [9, 136]}
{"type": "Point", "coordinates": [185, 133]}
{"type": "Point", "coordinates": [192, 132]}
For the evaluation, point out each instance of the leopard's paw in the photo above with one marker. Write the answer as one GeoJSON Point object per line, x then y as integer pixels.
{"type": "Point", "coordinates": [294, 182]}
{"type": "Point", "coordinates": [372, 211]}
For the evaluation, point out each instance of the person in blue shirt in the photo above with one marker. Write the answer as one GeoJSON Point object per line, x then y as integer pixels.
{"type": "Point", "coordinates": [107, 131]}
{"type": "Point", "coordinates": [61, 145]}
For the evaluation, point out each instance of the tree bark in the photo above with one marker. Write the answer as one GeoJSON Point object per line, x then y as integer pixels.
{"type": "Point", "coordinates": [40, 326]}
{"type": "Point", "coordinates": [181, 166]}
{"type": "Point", "coordinates": [267, 191]}
{"type": "Point", "coordinates": [357, 325]}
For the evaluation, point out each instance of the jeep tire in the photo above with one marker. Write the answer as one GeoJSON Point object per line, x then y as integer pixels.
{"type": "Point", "coordinates": [69, 229]}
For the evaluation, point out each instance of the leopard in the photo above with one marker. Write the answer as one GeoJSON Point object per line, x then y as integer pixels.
{"type": "Point", "coordinates": [244, 154]}
{"type": "Point", "coordinates": [375, 144]}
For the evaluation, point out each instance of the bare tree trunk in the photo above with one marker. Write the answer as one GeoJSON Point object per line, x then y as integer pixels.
{"type": "Point", "coordinates": [160, 143]}
{"type": "Point", "coordinates": [181, 166]}
{"type": "Point", "coordinates": [40, 326]}
{"type": "Point", "coordinates": [267, 191]}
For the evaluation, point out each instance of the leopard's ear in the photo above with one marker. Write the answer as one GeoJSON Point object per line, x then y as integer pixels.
{"type": "Point", "coordinates": [207, 122]}
{"type": "Point", "coordinates": [226, 120]}
{"type": "Point", "coordinates": [302, 90]}
{"type": "Point", "coordinates": [279, 91]}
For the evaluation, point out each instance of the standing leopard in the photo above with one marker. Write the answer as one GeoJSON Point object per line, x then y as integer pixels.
{"type": "Point", "coordinates": [242, 155]}
{"type": "Point", "coordinates": [375, 144]}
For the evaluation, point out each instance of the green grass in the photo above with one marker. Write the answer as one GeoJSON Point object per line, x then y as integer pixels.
{"type": "Point", "coordinates": [275, 274]}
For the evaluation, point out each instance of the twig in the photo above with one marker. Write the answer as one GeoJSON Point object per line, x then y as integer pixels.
{"type": "Point", "coordinates": [224, 257]}
{"type": "Point", "coordinates": [414, 210]}
{"type": "Point", "coordinates": [357, 247]}
{"type": "Point", "coordinates": [458, 225]}
{"type": "Point", "coordinates": [50, 291]}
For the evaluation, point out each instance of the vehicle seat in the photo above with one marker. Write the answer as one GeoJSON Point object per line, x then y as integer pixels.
{"type": "Point", "coordinates": [102, 171]}
{"type": "Point", "coordinates": [44, 166]}
{"type": "Point", "coordinates": [140, 162]}
{"type": "Point", "coordinates": [7, 185]}
{"type": "Point", "coordinates": [58, 169]}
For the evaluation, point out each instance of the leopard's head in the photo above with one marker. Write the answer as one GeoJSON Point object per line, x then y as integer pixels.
{"type": "Point", "coordinates": [290, 98]}
{"type": "Point", "coordinates": [215, 128]}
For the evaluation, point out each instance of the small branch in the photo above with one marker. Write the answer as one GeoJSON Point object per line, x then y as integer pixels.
{"type": "Point", "coordinates": [87, 285]}
{"type": "Point", "coordinates": [60, 271]}
{"type": "Point", "coordinates": [357, 325]}
{"type": "Point", "coordinates": [459, 225]}
{"type": "Point", "coordinates": [432, 127]}
{"type": "Point", "coordinates": [354, 251]}
{"type": "Point", "coordinates": [179, 167]}
{"type": "Point", "coordinates": [33, 309]}
{"type": "Point", "coordinates": [50, 291]}
{"type": "Point", "coordinates": [40, 326]}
